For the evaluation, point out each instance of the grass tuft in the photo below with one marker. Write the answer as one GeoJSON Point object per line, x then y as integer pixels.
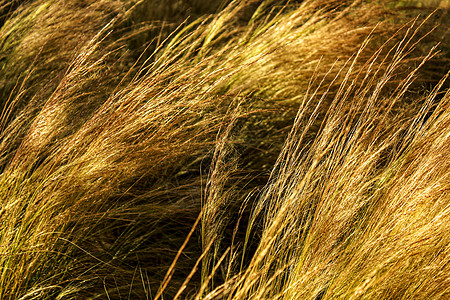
{"type": "Point", "coordinates": [229, 150]}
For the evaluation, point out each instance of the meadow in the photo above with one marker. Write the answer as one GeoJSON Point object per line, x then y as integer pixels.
{"type": "Point", "coordinates": [194, 149]}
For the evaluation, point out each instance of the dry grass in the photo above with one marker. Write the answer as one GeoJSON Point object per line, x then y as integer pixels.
{"type": "Point", "coordinates": [257, 150]}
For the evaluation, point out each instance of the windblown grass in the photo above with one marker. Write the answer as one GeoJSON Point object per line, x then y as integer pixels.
{"type": "Point", "coordinates": [258, 150]}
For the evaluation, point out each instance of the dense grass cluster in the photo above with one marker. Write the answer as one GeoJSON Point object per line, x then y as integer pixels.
{"type": "Point", "coordinates": [199, 149]}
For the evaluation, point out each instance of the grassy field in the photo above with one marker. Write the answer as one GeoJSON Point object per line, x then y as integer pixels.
{"type": "Point", "coordinates": [199, 149]}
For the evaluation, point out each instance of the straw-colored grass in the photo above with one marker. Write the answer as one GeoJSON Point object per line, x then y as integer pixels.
{"type": "Point", "coordinates": [255, 150]}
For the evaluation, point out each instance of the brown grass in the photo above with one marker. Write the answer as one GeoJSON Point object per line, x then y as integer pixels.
{"type": "Point", "coordinates": [257, 150]}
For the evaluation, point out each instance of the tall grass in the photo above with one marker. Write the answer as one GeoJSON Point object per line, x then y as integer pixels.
{"type": "Point", "coordinates": [257, 150]}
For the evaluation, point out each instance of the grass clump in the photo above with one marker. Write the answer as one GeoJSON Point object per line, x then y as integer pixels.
{"type": "Point", "coordinates": [258, 150]}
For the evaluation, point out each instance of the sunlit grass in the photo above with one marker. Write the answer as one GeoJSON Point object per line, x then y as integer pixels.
{"type": "Point", "coordinates": [258, 150]}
